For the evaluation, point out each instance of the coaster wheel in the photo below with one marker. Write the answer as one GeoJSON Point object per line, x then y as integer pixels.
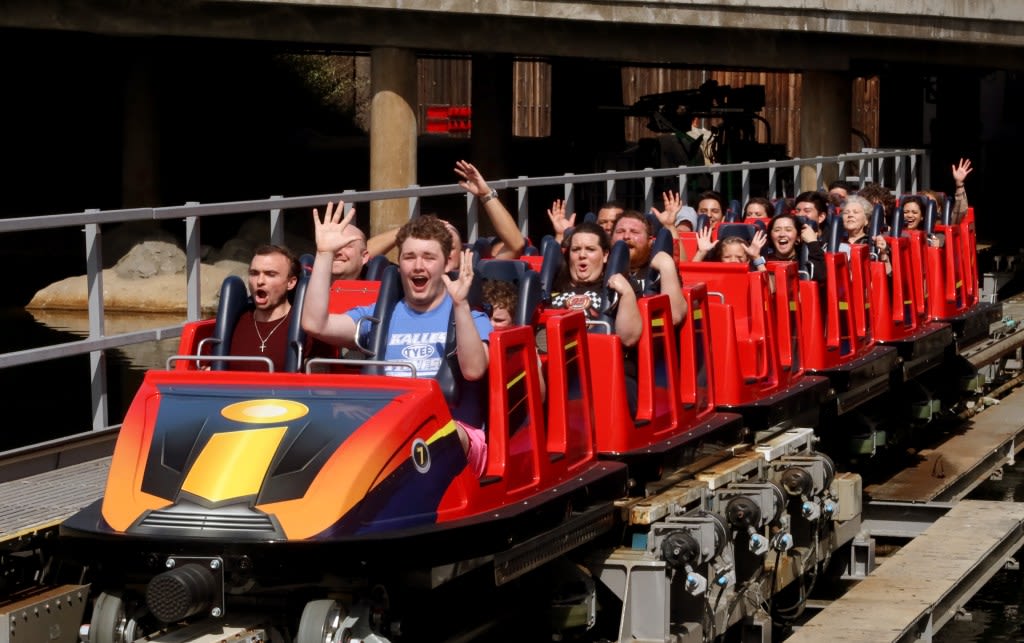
{"type": "Point", "coordinates": [320, 622]}
{"type": "Point", "coordinates": [110, 623]}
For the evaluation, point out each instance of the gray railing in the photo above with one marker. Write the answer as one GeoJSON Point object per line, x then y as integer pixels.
{"type": "Point", "coordinates": [897, 169]}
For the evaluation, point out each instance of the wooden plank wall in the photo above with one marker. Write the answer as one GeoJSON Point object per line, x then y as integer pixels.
{"type": "Point", "coordinates": [446, 81]}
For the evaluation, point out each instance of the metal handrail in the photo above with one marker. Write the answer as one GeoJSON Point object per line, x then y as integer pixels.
{"type": "Point", "coordinates": [869, 164]}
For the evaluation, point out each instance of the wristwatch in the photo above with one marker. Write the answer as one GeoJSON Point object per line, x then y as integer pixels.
{"type": "Point", "coordinates": [757, 263]}
{"type": "Point", "coordinates": [487, 197]}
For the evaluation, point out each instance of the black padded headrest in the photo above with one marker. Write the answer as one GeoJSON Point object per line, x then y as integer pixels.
{"type": "Point", "coordinates": [835, 237]}
{"type": "Point", "coordinates": [618, 263]}
{"type": "Point", "coordinates": [896, 225]}
{"type": "Point", "coordinates": [930, 211]}
{"type": "Point", "coordinates": [530, 296]}
{"type": "Point", "coordinates": [663, 242]}
{"type": "Point", "coordinates": [653, 222]}
{"type": "Point", "coordinates": [296, 335]}
{"type": "Point", "coordinates": [806, 267]}
{"type": "Point", "coordinates": [744, 231]}
{"type": "Point", "coordinates": [482, 246]}
{"type": "Point", "coordinates": [510, 270]}
{"type": "Point", "coordinates": [375, 267]}
{"type": "Point", "coordinates": [234, 300]}
{"type": "Point", "coordinates": [550, 266]}
{"type": "Point", "coordinates": [735, 210]}
{"type": "Point", "coordinates": [803, 220]}
{"type": "Point", "coordinates": [877, 221]}
{"type": "Point", "coordinates": [389, 294]}
{"type": "Point", "coordinates": [703, 221]}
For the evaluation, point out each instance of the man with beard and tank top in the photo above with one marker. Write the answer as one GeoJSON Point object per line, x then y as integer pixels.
{"type": "Point", "coordinates": [633, 228]}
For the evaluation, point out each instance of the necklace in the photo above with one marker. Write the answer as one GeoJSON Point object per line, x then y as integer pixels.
{"type": "Point", "coordinates": [263, 340]}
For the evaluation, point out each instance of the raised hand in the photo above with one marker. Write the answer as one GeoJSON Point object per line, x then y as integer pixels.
{"type": "Point", "coordinates": [459, 288]}
{"type": "Point", "coordinates": [704, 242]}
{"type": "Point", "coordinates": [673, 204]}
{"type": "Point", "coordinates": [754, 248]}
{"type": "Point", "coordinates": [471, 179]}
{"type": "Point", "coordinates": [961, 171]}
{"type": "Point", "coordinates": [559, 222]}
{"type": "Point", "coordinates": [331, 233]}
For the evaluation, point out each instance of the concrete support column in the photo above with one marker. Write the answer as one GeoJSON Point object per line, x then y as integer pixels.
{"type": "Point", "coordinates": [392, 133]}
{"type": "Point", "coordinates": [140, 168]}
{"type": "Point", "coordinates": [825, 110]}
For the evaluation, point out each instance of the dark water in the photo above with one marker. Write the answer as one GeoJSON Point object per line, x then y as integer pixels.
{"type": "Point", "coordinates": [996, 612]}
{"type": "Point", "coordinates": [51, 399]}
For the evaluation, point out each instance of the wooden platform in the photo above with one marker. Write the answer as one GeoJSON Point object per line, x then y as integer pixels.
{"type": "Point", "coordinates": [916, 591]}
{"type": "Point", "coordinates": [39, 502]}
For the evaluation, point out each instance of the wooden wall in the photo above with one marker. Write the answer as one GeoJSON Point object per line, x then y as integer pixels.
{"type": "Point", "coordinates": [446, 81]}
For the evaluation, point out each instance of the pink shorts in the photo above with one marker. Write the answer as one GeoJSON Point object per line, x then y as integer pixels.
{"type": "Point", "coordinates": [477, 453]}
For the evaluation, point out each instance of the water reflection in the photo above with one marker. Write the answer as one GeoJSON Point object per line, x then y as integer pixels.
{"type": "Point", "coordinates": [995, 613]}
{"type": "Point", "coordinates": [137, 356]}
{"type": "Point", "coordinates": [52, 399]}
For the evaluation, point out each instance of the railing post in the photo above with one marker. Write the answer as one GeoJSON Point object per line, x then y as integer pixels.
{"type": "Point", "coordinates": [523, 208]}
{"type": "Point", "coordinates": [414, 204]}
{"type": "Point", "coordinates": [193, 290]}
{"type": "Point", "coordinates": [472, 217]}
{"type": "Point", "coordinates": [97, 359]}
{"type": "Point", "coordinates": [773, 189]}
{"type": "Point", "coordinates": [648, 191]}
{"type": "Point", "coordinates": [716, 181]}
{"type": "Point", "coordinates": [683, 191]}
{"type": "Point", "coordinates": [609, 187]}
{"type": "Point", "coordinates": [569, 194]}
{"type": "Point", "coordinates": [819, 169]}
{"type": "Point", "coordinates": [901, 167]}
{"type": "Point", "coordinates": [276, 224]}
{"type": "Point", "coordinates": [913, 173]}
{"type": "Point", "coordinates": [745, 184]}
{"type": "Point", "coordinates": [861, 164]}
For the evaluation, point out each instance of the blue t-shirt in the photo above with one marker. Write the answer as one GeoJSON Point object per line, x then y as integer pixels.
{"type": "Point", "coordinates": [420, 338]}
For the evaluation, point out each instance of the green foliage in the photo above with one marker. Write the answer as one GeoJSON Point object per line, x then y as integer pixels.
{"type": "Point", "coordinates": [334, 83]}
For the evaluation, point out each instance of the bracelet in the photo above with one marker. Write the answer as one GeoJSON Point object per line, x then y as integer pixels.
{"type": "Point", "coordinates": [487, 197]}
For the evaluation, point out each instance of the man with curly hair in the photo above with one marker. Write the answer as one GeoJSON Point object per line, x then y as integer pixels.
{"type": "Point", "coordinates": [419, 324]}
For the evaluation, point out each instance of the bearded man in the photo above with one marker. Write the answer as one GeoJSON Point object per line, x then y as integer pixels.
{"type": "Point", "coordinates": [634, 229]}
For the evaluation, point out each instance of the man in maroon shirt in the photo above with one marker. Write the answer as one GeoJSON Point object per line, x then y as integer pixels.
{"type": "Point", "coordinates": [262, 330]}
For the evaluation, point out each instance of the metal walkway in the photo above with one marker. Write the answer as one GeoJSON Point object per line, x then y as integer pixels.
{"type": "Point", "coordinates": [950, 470]}
{"type": "Point", "coordinates": [916, 591]}
{"type": "Point", "coordinates": [40, 502]}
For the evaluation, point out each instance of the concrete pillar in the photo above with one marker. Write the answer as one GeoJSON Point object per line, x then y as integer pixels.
{"type": "Point", "coordinates": [140, 168]}
{"type": "Point", "coordinates": [392, 133]}
{"type": "Point", "coordinates": [825, 108]}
